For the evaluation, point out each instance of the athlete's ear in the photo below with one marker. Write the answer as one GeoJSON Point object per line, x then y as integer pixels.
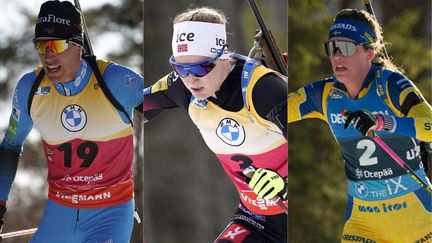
{"type": "Point", "coordinates": [370, 54]}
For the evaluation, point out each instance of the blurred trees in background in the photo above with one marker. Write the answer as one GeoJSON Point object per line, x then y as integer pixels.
{"type": "Point", "coordinates": [107, 24]}
{"type": "Point", "coordinates": [188, 196]}
{"type": "Point", "coordinates": [317, 182]}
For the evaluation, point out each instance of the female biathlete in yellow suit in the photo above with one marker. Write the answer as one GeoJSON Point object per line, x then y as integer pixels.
{"type": "Point", "coordinates": [385, 204]}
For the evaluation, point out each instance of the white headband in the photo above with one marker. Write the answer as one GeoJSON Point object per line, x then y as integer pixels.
{"type": "Point", "coordinates": [198, 38]}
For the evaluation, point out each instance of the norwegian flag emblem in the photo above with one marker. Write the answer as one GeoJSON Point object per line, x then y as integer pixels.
{"type": "Point", "coordinates": [182, 48]}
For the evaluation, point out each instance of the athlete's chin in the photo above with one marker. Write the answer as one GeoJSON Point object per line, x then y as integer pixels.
{"type": "Point", "coordinates": [200, 97]}
{"type": "Point", "coordinates": [200, 93]}
{"type": "Point", "coordinates": [341, 76]}
{"type": "Point", "coordinates": [54, 76]}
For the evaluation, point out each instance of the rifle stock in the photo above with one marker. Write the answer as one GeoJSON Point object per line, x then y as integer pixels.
{"type": "Point", "coordinates": [265, 48]}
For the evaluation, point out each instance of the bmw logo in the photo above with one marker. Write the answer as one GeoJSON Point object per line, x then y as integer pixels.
{"type": "Point", "coordinates": [361, 189]}
{"type": "Point", "coordinates": [73, 118]}
{"type": "Point", "coordinates": [230, 132]}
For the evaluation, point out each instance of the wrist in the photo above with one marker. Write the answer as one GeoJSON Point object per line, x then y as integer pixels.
{"type": "Point", "coordinates": [385, 123]}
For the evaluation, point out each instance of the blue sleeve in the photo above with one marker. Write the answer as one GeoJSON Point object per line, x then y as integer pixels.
{"type": "Point", "coordinates": [126, 86]}
{"type": "Point", "coordinates": [314, 95]}
{"type": "Point", "coordinates": [396, 84]}
{"type": "Point", "coordinates": [20, 125]}
{"type": "Point", "coordinates": [20, 122]}
{"type": "Point", "coordinates": [307, 102]}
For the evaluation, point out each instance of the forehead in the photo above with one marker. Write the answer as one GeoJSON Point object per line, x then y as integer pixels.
{"type": "Point", "coordinates": [190, 59]}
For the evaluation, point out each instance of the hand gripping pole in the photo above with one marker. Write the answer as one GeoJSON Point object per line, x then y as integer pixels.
{"type": "Point", "coordinates": [249, 172]}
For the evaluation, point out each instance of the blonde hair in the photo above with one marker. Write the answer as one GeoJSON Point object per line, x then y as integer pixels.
{"type": "Point", "coordinates": [378, 45]}
{"type": "Point", "coordinates": [201, 14]}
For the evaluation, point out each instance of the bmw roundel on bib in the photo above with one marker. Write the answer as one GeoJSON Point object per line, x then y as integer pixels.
{"type": "Point", "coordinates": [73, 118]}
{"type": "Point", "coordinates": [230, 132]}
{"type": "Point", "coordinates": [361, 189]}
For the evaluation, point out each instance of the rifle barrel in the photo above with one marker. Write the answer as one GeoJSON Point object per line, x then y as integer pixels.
{"type": "Point", "coordinates": [369, 9]}
{"type": "Point", "coordinates": [87, 42]}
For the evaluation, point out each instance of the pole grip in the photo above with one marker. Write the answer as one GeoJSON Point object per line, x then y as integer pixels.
{"type": "Point", "coordinates": [249, 172]}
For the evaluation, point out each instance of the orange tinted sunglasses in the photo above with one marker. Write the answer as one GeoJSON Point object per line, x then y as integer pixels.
{"type": "Point", "coordinates": [55, 46]}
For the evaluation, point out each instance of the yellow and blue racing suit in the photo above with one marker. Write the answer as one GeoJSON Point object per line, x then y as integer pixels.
{"type": "Point", "coordinates": [385, 204]}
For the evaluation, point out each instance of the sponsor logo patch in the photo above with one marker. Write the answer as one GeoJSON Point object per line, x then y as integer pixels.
{"type": "Point", "coordinates": [361, 189]}
{"type": "Point", "coordinates": [73, 118]}
{"type": "Point", "coordinates": [12, 129]}
{"type": "Point", "coordinates": [199, 103]}
{"type": "Point", "coordinates": [425, 238]}
{"type": "Point", "coordinates": [383, 208]}
{"type": "Point", "coordinates": [360, 174]}
{"type": "Point", "coordinates": [357, 238]}
{"type": "Point", "coordinates": [231, 132]}
{"type": "Point", "coordinates": [235, 233]}
{"type": "Point", "coordinates": [16, 113]}
{"type": "Point", "coordinates": [43, 91]}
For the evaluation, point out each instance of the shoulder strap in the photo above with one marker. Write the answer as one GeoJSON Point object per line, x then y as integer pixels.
{"type": "Point", "coordinates": [248, 68]}
{"type": "Point", "coordinates": [93, 64]}
{"type": "Point", "coordinates": [33, 89]}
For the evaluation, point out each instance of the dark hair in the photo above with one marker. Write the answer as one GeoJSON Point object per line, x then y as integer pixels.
{"type": "Point", "coordinates": [378, 45]}
{"type": "Point", "coordinates": [201, 14]}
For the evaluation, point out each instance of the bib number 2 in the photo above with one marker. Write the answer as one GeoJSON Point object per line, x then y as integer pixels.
{"type": "Point", "coordinates": [369, 148]}
{"type": "Point", "coordinates": [86, 151]}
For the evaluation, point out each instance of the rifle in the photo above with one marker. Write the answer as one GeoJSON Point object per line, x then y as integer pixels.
{"type": "Point", "coordinates": [87, 43]}
{"type": "Point", "coordinates": [91, 58]}
{"type": "Point", "coordinates": [265, 48]}
{"type": "Point", "coordinates": [369, 9]}
{"type": "Point", "coordinates": [426, 155]}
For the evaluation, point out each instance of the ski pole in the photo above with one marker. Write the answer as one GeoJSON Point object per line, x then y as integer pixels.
{"type": "Point", "coordinates": [249, 172]}
{"type": "Point", "coordinates": [394, 156]}
{"type": "Point", "coordinates": [18, 233]}
{"type": "Point", "coordinates": [401, 163]}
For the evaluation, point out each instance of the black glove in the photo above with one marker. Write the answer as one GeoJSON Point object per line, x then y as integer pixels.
{"type": "Point", "coordinates": [2, 212]}
{"type": "Point", "coordinates": [366, 122]}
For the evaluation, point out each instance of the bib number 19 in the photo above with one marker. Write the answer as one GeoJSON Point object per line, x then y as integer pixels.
{"type": "Point", "coordinates": [86, 151]}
